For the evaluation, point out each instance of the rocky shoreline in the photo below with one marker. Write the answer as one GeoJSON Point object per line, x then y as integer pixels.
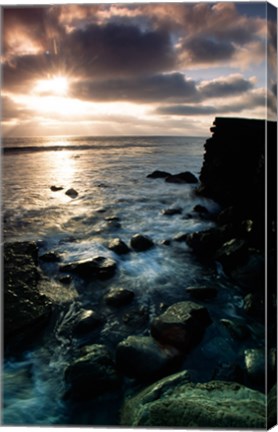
{"type": "Point", "coordinates": [233, 175]}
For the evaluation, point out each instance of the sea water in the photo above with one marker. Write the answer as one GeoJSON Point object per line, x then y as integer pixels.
{"type": "Point", "coordinates": [115, 200]}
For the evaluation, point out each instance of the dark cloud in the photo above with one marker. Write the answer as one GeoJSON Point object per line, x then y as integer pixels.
{"type": "Point", "coordinates": [229, 86]}
{"type": "Point", "coordinates": [202, 49]}
{"type": "Point", "coordinates": [171, 87]}
{"type": "Point", "coordinates": [115, 50]}
{"type": "Point", "coordinates": [11, 110]}
{"type": "Point", "coordinates": [186, 110]}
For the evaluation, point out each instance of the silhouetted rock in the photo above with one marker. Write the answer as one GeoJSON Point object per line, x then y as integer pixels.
{"type": "Point", "coordinates": [182, 325]}
{"type": "Point", "coordinates": [142, 357]}
{"type": "Point", "coordinates": [99, 267]}
{"type": "Point", "coordinates": [26, 310]}
{"type": "Point", "coordinates": [88, 320]}
{"type": "Point", "coordinates": [175, 402]}
{"type": "Point", "coordinates": [206, 243]}
{"type": "Point", "coordinates": [141, 243]}
{"type": "Point", "coordinates": [118, 246]}
{"type": "Point", "coordinates": [56, 188]}
{"type": "Point", "coordinates": [91, 375]}
{"type": "Point", "coordinates": [158, 174]}
{"type": "Point", "coordinates": [71, 193]}
{"type": "Point", "coordinates": [119, 297]}
{"type": "Point", "coordinates": [50, 257]}
{"type": "Point", "coordinates": [232, 254]}
{"type": "Point", "coordinates": [184, 177]}
{"type": "Point", "coordinates": [66, 280]}
{"type": "Point", "coordinates": [200, 209]}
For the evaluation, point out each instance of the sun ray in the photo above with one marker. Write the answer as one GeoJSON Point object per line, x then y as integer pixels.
{"type": "Point", "coordinates": [57, 85]}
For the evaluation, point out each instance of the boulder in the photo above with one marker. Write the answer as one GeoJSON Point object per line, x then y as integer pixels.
{"type": "Point", "coordinates": [56, 188]}
{"type": "Point", "coordinates": [141, 243]}
{"type": "Point", "coordinates": [205, 243]}
{"type": "Point", "coordinates": [182, 325]}
{"type": "Point", "coordinates": [118, 297]}
{"type": "Point", "coordinates": [202, 293]}
{"type": "Point", "coordinates": [254, 305]}
{"type": "Point", "coordinates": [236, 328]}
{"type": "Point", "coordinates": [88, 320]}
{"type": "Point", "coordinates": [158, 174]}
{"type": "Point", "coordinates": [184, 177]}
{"type": "Point", "coordinates": [72, 193]}
{"type": "Point", "coordinates": [143, 358]}
{"type": "Point", "coordinates": [251, 274]}
{"type": "Point", "coordinates": [255, 367]}
{"type": "Point", "coordinates": [118, 246]}
{"type": "Point", "coordinates": [91, 375]}
{"type": "Point", "coordinates": [200, 209]}
{"type": "Point", "coordinates": [66, 280]}
{"type": "Point", "coordinates": [26, 310]}
{"type": "Point", "coordinates": [172, 211]}
{"type": "Point", "coordinates": [174, 402]}
{"type": "Point", "coordinates": [232, 254]}
{"type": "Point", "coordinates": [98, 267]}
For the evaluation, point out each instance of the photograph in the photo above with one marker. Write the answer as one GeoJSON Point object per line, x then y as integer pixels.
{"type": "Point", "coordinates": [139, 215]}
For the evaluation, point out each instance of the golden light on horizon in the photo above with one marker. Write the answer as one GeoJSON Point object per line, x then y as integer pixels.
{"type": "Point", "coordinates": [57, 85]}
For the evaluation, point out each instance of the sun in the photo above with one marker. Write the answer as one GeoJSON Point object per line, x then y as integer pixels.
{"type": "Point", "coordinates": [57, 85]}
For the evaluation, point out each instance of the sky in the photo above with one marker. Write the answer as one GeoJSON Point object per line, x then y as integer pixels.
{"type": "Point", "coordinates": [135, 69]}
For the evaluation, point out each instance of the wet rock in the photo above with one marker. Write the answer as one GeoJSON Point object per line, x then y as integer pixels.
{"type": "Point", "coordinates": [26, 310]}
{"type": "Point", "coordinates": [88, 320]}
{"type": "Point", "coordinates": [202, 293]}
{"type": "Point", "coordinates": [56, 188]}
{"type": "Point", "coordinates": [236, 328]}
{"type": "Point", "coordinates": [174, 401]}
{"type": "Point", "coordinates": [206, 243]}
{"type": "Point", "coordinates": [136, 319]}
{"type": "Point", "coordinates": [229, 372]}
{"type": "Point", "coordinates": [119, 297]}
{"type": "Point", "coordinates": [72, 193]}
{"type": "Point", "coordinates": [141, 243]}
{"type": "Point", "coordinates": [113, 224]}
{"type": "Point", "coordinates": [182, 325]}
{"type": "Point", "coordinates": [118, 246]}
{"type": "Point", "coordinates": [142, 357]}
{"type": "Point", "coordinates": [184, 177]}
{"type": "Point", "coordinates": [232, 254]}
{"type": "Point", "coordinates": [254, 305]}
{"type": "Point", "coordinates": [180, 237]}
{"type": "Point", "coordinates": [200, 209]}
{"type": "Point", "coordinates": [255, 367]}
{"type": "Point", "coordinates": [50, 257]}
{"type": "Point", "coordinates": [91, 375]}
{"type": "Point", "coordinates": [98, 267]}
{"type": "Point", "coordinates": [158, 174]}
{"type": "Point", "coordinates": [172, 211]}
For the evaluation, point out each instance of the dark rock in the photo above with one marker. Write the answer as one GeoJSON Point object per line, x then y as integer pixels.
{"type": "Point", "coordinates": [181, 325]}
{"type": "Point", "coordinates": [229, 372]}
{"type": "Point", "coordinates": [119, 297]}
{"type": "Point", "coordinates": [71, 193]}
{"type": "Point", "coordinates": [250, 275]}
{"type": "Point", "coordinates": [158, 174]}
{"type": "Point", "coordinates": [175, 402]}
{"type": "Point", "coordinates": [99, 267]}
{"type": "Point", "coordinates": [254, 305]}
{"type": "Point", "coordinates": [184, 177]}
{"type": "Point", "coordinates": [50, 257]}
{"type": "Point", "coordinates": [136, 319]}
{"type": "Point", "coordinates": [236, 328]}
{"type": "Point", "coordinates": [118, 246]}
{"type": "Point", "coordinates": [66, 280]}
{"type": "Point", "coordinates": [232, 254]}
{"type": "Point", "coordinates": [200, 209]}
{"type": "Point", "coordinates": [113, 224]}
{"type": "Point", "coordinates": [88, 321]}
{"type": "Point", "coordinates": [205, 243]}
{"type": "Point", "coordinates": [171, 211]}
{"type": "Point", "coordinates": [142, 357]}
{"type": "Point", "coordinates": [181, 237]}
{"type": "Point", "coordinates": [56, 188]}
{"type": "Point", "coordinates": [272, 407]}
{"type": "Point", "coordinates": [26, 310]}
{"type": "Point", "coordinates": [202, 293]}
{"type": "Point", "coordinates": [141, 243]}
{"type": "Point", "coordinates": [255, 367]}
{"type": "Point", "coordinates": [91, 375]}
{"type": "Point", "coordinates": [112, 218]}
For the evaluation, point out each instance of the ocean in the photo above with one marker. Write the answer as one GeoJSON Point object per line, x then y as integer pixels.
{"type": "Point", "coordinates": [115, 200]}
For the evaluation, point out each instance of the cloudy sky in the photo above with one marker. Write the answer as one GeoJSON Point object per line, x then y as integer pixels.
{"type": "Point", "coordinates": [135, 69]}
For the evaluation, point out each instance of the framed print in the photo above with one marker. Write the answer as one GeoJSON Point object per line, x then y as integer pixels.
{"type": "Point", "coordinates": [139, 215]}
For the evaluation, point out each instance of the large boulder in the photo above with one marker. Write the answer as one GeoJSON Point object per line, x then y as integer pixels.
{"type": "Point", "coordinates": [142, 357]}
{"type": "Point", "coordinates": [118, 246]}
{"type": "Point", "coordinates": [206, 243]}
{"type": "Point", "coordinates": [141, 243]}
{"type": "Point", "coordinates": [184, 177]}
{"type": "Point", "coordinates": [26, 310]}
{"type": "Point", "coordinates": [91, 375]}
{"type": "Point", "coordinates": [182, 325]}
{"type": "Point", "coordinates": [158, 174]}
{"type": "Point", "coordinates": [176, 402]}
{"type": "Point", "coordinates": [99, 267]}
{"type": "Point", "coordinates": [118, 297]}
